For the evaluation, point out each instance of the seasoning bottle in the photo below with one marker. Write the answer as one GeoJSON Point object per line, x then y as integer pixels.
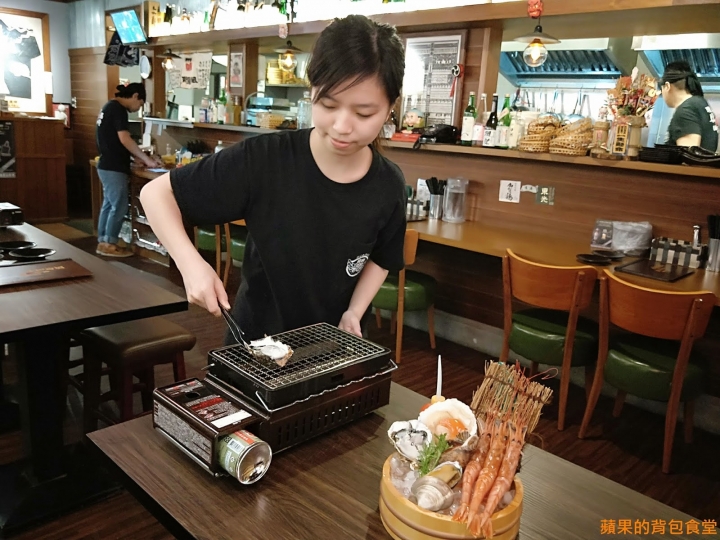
{"type": "Point", "coordinates": [304, 114]}
{"type": "Point", "coordinates": [220, 146]}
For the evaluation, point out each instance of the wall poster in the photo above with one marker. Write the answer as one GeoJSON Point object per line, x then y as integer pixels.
{"type": "Point", "coordinates": [429, 96]}
{"type": "Point", "coordinates": [7, 150]}
{"type": "Point", "coordinates": [22, 59]}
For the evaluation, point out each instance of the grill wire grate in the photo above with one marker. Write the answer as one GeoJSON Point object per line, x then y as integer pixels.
{"type": "Point", "coordinates": [316, 349]}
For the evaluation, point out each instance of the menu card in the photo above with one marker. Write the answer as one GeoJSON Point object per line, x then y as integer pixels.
{"type": "Point", "coordinates": [21, 273]}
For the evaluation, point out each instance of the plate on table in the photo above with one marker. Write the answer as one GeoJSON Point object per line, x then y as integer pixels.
{"type": "Point", "coordinates": [614, 255]}
{"type": "Point", "coordinates": [32, 253]}
{"type": "Point", "coordinates": [15, 244]}
{"type": "Point", "coordinates": [590, 258]}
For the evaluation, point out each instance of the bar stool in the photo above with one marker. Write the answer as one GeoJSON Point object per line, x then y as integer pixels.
{"type": "Point", "coordinates": [551, 332]}
{"type": "Point", "coordinates": [419, 294]}
{"type": "Point", "coordinates": [650, 363]}
{"type": "Point", "coordinates": [129, 348]}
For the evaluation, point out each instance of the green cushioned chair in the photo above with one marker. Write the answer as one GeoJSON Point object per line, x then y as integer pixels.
{"type": "Point", "coordinates": [551, 331]}
{"type": "Point", "coordinates": [419, 295]}
{"type": "Point", "coordinates": [213, 238]}
{"type": "Point", "coordinates": [655, 361]}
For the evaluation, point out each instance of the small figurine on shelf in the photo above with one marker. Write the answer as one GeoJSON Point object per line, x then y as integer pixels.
{"type": "Point", "coordinates": [413, 119]}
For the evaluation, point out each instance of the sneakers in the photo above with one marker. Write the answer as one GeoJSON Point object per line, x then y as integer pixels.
{"type": "Point", "coordinates": [112, 250]}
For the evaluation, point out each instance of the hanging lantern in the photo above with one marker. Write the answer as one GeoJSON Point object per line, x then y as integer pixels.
{"type": "Point", "coordinates": [535, 53]}
{"type": "Point", "coordinates": [168, 63]}
{"type": "Point", "coordinates": [287, 60]}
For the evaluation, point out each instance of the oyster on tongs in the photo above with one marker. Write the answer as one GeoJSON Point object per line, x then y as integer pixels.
{"type": "Point", "coordinates": [409, 438]}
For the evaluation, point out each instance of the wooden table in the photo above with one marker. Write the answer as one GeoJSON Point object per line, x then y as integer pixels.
{"type": "Point", "coordinates": [491, 239]}
{"type": "Point", "coordinates": [328, 488]}
{"type": "Point", "coordinates": [37, 321]}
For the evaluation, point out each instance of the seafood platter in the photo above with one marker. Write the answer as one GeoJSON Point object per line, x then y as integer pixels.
{"type": "Point", "coordinates": [453, 474]}
{"type": "Point", "coordinates": [263, 397]}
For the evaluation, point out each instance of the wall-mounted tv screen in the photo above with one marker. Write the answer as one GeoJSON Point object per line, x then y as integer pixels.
{"type": "Point", "coordinates": [128, 27]}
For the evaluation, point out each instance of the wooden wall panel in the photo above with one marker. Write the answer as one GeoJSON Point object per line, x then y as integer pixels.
{"type": "Point", "coordinates": [39, 187]}
{"type": "Point", "coordinates": [672, 203]}
{"type": "Point", "coordinates": [88, 82]}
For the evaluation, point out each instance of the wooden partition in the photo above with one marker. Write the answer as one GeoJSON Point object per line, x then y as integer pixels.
{"type": "Point", "coordinates": [39, 185]}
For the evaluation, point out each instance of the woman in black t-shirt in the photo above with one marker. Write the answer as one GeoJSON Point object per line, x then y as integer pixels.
{"type": "Point", "coordinates": [324, 210]}
{"type": "Point", "coordinates": [693, 123]}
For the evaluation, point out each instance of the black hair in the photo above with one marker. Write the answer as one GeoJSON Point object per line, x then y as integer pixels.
{"type": "Point", "coordinates": [682, 77]}
{"type": "Point", "coordinates": [353, 49]}
{"type": "Point", "coordinates": [130, 90]}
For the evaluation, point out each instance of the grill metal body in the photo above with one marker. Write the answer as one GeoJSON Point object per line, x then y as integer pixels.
{"type": "Point", "coordinates": [324, 357]}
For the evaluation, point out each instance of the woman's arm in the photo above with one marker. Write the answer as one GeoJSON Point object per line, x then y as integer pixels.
{"type": "Point", "coordinates": [369, 282]}
{"type": "Point", "coordinates": [202, 284]}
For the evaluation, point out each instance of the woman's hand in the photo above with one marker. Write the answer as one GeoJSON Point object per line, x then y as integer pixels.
{"type": "Point", "coordinates": [153, 161]}
{"type": "Point", "coordinates": [204, 288]}
{"type": "Point", "coordinates": [350, 323]}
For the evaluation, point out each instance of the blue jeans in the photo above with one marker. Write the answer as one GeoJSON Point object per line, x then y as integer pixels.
{"type": "Point", "coordinates": [114, 206]}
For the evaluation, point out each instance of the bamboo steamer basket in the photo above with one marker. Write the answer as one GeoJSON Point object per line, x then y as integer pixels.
{"type": "Point", "coordinates": [404, 520]}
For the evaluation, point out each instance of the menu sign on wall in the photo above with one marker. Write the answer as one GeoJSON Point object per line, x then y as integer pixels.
{"type": "Point", "coordinates": [7, 150]}
{"type": "Point", "coordinates": [430, 88]}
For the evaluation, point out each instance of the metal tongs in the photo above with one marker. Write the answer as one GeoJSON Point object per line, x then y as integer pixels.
{"type": "Point", "coordinates": [235, 328]}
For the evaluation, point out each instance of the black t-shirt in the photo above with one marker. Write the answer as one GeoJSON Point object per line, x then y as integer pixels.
{"type": "Point", "coordinates": [694, 117]}
{"type": "Point", "coordinates": [113, 155]}
{"type": "Point", "coordinates": [308, 236]}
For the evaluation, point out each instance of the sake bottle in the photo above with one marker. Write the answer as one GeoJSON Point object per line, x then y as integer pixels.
{"type": "Point", "coordinates": [468, 121]}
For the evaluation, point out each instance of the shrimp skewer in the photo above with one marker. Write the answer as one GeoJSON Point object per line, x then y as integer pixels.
{"type": "Point", "coordinates": [504, 478]}
{"type": "Point", "coordinates": [472, 470]}
{"type": "Point", "coordinates": [487, 475]}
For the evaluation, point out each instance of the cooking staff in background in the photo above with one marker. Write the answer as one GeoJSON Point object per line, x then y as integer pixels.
{"type": "Point", "coordinates": [325, 211]}
{"type": "Point", "coordinates": [115, 146]}
{"type": "Point", "coordinates": [693, 123]}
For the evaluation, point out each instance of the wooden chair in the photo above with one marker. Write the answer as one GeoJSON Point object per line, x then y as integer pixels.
{"type": "Point", "coordinates": [651, 368]}
{"type": "Point", "coordinates": [407, 291]}
{"type": "Point", "coordinates": [552, 332]}
{"type": "Point", "coordinates": [231, 240]}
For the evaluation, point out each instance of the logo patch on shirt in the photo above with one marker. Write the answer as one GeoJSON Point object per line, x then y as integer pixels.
{"type": "Point", "coordinates": [355, 266]}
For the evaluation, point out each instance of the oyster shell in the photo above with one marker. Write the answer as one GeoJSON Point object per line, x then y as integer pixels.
{"type": "Point", "coordinates": [432, 493]}
{"type": "Point", "coordinates": [409, 438]}
{"type": "Point", "coordinates": [450, 408]}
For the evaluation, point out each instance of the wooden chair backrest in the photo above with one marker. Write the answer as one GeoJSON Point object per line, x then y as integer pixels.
{"type": "Point", "coordinates": [549, 287]}
{"type": "Point", "coordinates": [658, 314]}
{"type": "Point", "coordinates": [411, 243]}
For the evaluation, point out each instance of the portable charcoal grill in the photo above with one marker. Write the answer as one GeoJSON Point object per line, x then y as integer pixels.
{"type": "Point", "coordinates": [324, 357]}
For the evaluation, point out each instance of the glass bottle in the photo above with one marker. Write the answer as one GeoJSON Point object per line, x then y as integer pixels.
{"type": "Point", "coordinates": [490, 136]}
{"type": "Point", "coordinates": [468, 121]}
{"type": "Point", "coordinates": [479, 127]}
{"type": "Point", "coordinates": [220, 112]}
{"type": "Point", "coordinates": [304, 114]}
{"type": "Point", "coordinates": [504, 120]}
{"type": "Point", "coordinates": [237, 111]}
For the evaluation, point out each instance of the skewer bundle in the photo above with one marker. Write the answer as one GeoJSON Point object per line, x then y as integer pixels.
{"type": "Point", "coordinates": [508, 394]}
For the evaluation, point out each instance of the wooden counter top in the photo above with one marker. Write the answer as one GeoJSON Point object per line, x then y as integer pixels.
{"type": "Point", "coordinates": [491, 239]}
{"type": "Point", "coordinates": [683, 170]}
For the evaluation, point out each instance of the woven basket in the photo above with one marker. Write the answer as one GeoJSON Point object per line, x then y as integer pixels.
{"type": "Point", "coordinates": [576, 127]}
{"type": "Point", "coordinates": [544, 137]}
{"type": "Point", "coordinates": [534, 148]}
{"type": "Point", "coordinates": [572, 141]}
{"type": "Point", "coordinates": [269, 120]}
{"type": "Point", "coordinates": [568, 151]}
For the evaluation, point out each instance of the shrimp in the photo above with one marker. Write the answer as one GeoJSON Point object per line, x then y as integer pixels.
{"type": "Point", "coordinates": [504, 478]}
{"type": "Point", "coordinates": [487, 475]}
{"type": "Point", "coordinates": [472, 470]}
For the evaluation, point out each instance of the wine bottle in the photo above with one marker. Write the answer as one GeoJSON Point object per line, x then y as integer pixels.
{"type": "Point", "coordinates": [490, 137]}
{"type": "Point", "coordinates": [468, 121]}
{"type": "Point", "coordinates": [504, 119]}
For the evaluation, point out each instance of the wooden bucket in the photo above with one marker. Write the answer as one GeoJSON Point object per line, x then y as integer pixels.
{"type": "Point", "coordinates": [404, 520]}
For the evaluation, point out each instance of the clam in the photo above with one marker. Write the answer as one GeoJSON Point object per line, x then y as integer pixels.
{"type": "Point", "coordinates": [432, 493]}
{"type": "Point", "coordinates": [409, 438]}
{"type": "Point", "coordinates": [449, 472]}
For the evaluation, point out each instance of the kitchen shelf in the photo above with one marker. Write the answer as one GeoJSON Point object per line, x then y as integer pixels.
{"type": "Point", "coordinates": [286, 86]}
{"type": "Point", "coordinates": [228, 127]}
{"type": "Point", "coordinates": [169, 122]}
{"type": "Point", "coordinates": [682, 170]}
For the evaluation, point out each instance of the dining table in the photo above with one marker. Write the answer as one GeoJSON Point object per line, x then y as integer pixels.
{"type": "Point", "coordinates": [328, 488]}
{"type": "Point", "coordinates": [37, 322]}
